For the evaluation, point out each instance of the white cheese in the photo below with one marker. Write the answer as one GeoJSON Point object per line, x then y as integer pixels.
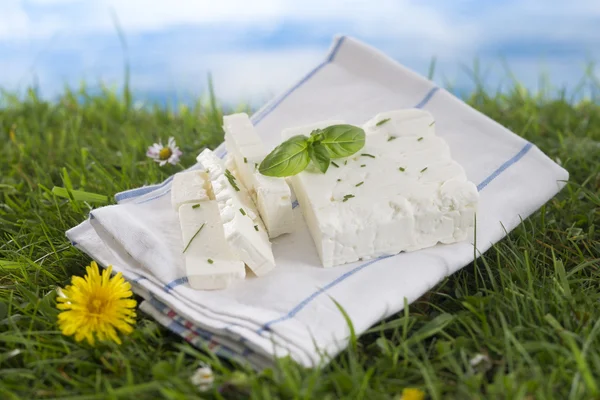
{"type": "Point", "coordinates": [271, 195]}
{"type": "Point", "coordinates": [407, 122]}
{"type": "Point", "coordinates": [209, 261]}
{"type": "Point", "coordinates": [243, 227]}
{"type": "Point", "coordinates": [411, 195]}
{"type": "Point", "coordinates": [189, 187]}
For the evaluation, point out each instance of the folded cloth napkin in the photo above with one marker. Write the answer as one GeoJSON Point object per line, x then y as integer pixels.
{"type": "Point", "coordinates": [291, 310]}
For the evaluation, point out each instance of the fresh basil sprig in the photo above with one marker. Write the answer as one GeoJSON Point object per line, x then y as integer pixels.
{"type": "Point", "coordinates": [293, 156]}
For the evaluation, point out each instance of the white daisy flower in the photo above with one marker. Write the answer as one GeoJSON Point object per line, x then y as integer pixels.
{"type": "Point", "coordinates": [203, 378]}
{"type": "Point", "coordinates": [481, 362]}
{"type": "Point", "coordinates": [165, 154]}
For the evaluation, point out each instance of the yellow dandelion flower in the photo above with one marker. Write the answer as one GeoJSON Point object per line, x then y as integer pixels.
{"type": "Point", "coordinates": [96, 306]}
{"type": "Point", "coordinates": [412, 394]}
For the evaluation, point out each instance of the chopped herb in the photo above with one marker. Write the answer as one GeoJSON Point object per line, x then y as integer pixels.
{"type": "Point", "coordinates": [210, 261]}
{"type": "Point", "coordinates": [193, 237]}
{"type": "Point", "coordinates": [256, 228]}
{"type": "Point", "coordinates": [391, 138]}
{"type": "Point", "coordinates": [419, 139]}
{"type": "Point", "coordinates": [424, 169]}
{"type": "Point", "coordinates": [402, 169]}
{"type": "Point", "coordinates": [431, 124]}
{"type": "Point", "coordinates": [231, 180]}
{"type": "Point", "coordinates": [242, 211]}
{"type": "Point", "coordinates": [368, 155]}
{"type": "Point", "coordinates": [364, 165]}
{"type": "Point", "coordinates": [359, 183]}
{"type": "Point", "coordinates": [348, 196]}
{"type": "Point", "coordinates": [334, 164]}
{"type": "Point", "coordinates": [346, 162]}
{"type": "Point", "coordinates": [255, 165]}
{"type": "Point", "coordinates": [245, 160]}
{"type": "Point", "coordinates": [383, 121]}
{"type": "Point", "coordinates": [339, 180]}
{"type": "Point", "coordinates": [196, 206]}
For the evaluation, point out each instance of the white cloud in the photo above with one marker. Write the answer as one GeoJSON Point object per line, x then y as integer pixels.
{"type": "Point", "coordinates": [462, 25]}
{"type": "Point", "coordinates": [367, 17]}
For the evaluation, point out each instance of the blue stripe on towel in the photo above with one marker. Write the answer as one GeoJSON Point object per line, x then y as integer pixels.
{"type": "Point", "coordinates": [427, 97]}
{"type": "Point", "coordinates": [141, 191]}
{"type": "Point", "coordinates": [177, 282]}
{"type": "Point", "coordinates": [310, 298]}
{"type": "Point", "coordinates": [504, 166]}
{"type": "Point", "coordinates": [158, 196]}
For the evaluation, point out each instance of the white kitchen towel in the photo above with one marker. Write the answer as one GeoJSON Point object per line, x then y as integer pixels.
{"type": "Point", "coordinates": [291, 311]}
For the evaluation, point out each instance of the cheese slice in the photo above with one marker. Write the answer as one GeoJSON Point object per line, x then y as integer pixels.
{"type": "Point", "coordinates": [401, 192]}
{"type": "Point", "coordinates": [271, 195]}
{"type": "Point", "coordinates": [210, 264]}
{"type": "Point", "coordinates": [209, 261]}
{"type": "Point", "coordinates": [243, 227]}
{"type": "Point", "coordinates": [189, 187]}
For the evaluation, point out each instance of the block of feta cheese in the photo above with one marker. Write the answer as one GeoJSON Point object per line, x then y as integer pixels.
{"type": "Point", "coordinates": [401, 192]}
{"type": "Point", "coordinates": [271, 195]}
{"type": "Point", "coordinates": [243, 227]}
{"type": "Point", "coordinates": [209, 261]}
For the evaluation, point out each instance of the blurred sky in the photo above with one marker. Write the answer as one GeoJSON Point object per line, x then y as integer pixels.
{"type": "Point", "coordinates": [257, 48]}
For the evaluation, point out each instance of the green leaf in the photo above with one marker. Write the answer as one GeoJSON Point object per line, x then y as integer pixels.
{"type": "Point", "coordinates": [5, 264]}
{"type": "Point", "coordinates": [432, 327]}
{"type": "Point", "coordinates": [287, 159]}
{"type": "Point", "coordinates": [79, 195]}
{"type": "Point", "coordinates": [343, 140]}
{"type": "Point", "coordinates": [319, 156]}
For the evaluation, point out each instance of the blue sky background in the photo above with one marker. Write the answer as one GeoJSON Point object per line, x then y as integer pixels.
{"type": "Point", "coordinates": [256, 49]}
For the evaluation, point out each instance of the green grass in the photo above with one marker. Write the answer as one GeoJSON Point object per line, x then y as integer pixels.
{"type": "Point", "coordinates": [532, 303]}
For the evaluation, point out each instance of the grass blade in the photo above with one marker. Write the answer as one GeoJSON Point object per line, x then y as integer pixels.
{"type": "Point", "coordinates": [79, 195]}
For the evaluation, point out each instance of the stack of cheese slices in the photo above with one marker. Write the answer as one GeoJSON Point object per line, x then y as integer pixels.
{"type": "Point", "coordinates": [401, 192]}
{"type": "Point", "coordinates": [228, 210]}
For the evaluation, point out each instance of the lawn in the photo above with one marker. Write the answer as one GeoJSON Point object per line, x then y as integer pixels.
{"type": "Point", "coordinates": [531, 304]}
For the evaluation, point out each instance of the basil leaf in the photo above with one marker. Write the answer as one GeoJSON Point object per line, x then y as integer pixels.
{"type": "Point", "coordinates": [287, 159]}
{"type": "Point", "coordinates": [343, 140]}
{"type": "Point", "coordinates": [316, 136]}
{"type": "Point", "coordinates": [319, 156]}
